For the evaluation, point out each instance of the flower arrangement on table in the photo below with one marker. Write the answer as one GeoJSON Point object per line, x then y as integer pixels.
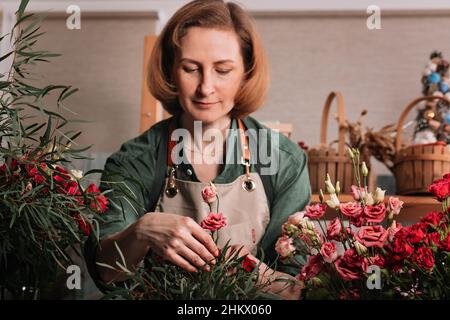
{"type": "Point", "coordinates": [363, 253]}
{"type": "Point", "coordinates": [232, 276]}
{"type": "Point", "coordinates": [45, 208]}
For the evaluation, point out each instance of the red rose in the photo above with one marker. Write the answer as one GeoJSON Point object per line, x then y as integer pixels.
{"type": "Point", "coordinates": [445, 244]}
{"type": "Point", "coordinates": [315, 211]}
{"type": "Point", "coordinates": [440, 188]}
{"type": "Point", "coordinates": [433, 218]}
{"type": "Point", "coordinates": [375, 213]}
{"type": "Point", "coordinates": [372, 236]}
{"type": "Point", "coordinates": [213, 222]}
{"type": "Point", "coordinates": [248, 264]}
{"type": "Point", "coordinates": [312, 268]}
{"type": "Point", "coordinates": [351, 266]}
{"type": "Point", "coordinates": [351, 209]}
{"type": "Point", "coordinates": [424, 258]}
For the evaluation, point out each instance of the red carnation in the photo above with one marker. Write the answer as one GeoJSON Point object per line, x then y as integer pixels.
{"type": "Point", "coordinates": [85, 227]}
{"type": "Point", "coordinates": [100, 202]}
{"type": "Point", "coordinates": [424, 258]}
{"type": "Point", "coordinates": [248, 264]}
{"type": "Point", "coordinates": [433, 218]}
{"type": "Point", "coordinates": [440, 188]}
{"type": "Point", "coordinates": [445, 244]}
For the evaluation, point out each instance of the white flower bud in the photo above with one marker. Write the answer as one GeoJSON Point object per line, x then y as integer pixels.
{"type": "Point", "coordinates": [364, 170]}
{"type": "Point", "coordinates": [350, 153]}
{"type": "Point", "coordinates": [334, 201]}
{"type": "Point", "coordinates": [321, 197]}
{"type": "Point", "coordinates": [368, 199]}
{"type": "Point", "coordinates": [338, 187]}
{"type": "Point", "coordinates": [78, 174]}
{"type": "Point", "coordinates": [379, 195]}
{"type": "Point", "coordinates": [361, 249]}
{"type": "Point", "coordinates": [329, 185]}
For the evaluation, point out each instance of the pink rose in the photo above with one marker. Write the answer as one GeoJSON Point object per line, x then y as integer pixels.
{"type": "Point", "coordinates": [375, 213]}
{"type": "Point", "coordinates": [328, 252]}
{"type": "Point", "coordinates": [351, 209]}
{"type": "Point", "coordinates": [334, 229]}
{"type": "Point", "coordinates": [297, 218]}
{"type": "Point", "coordinates": [372, 236]}
{"type": "Point", "coordinates": [213, 222]}
{"type": "Point", "coordinates": [285, 247]}
{"type": "Point", "coordinates": [358, 193]}
{"type": "Point", "coordinates": [312, 268]}
{"type": "Point", "coordinates": [351, 266]}
{"type": "Point", "coordinates": [315, 211]}
{"type": "Point", "coordinates": [392, 230]}
{"type": "Point", "coordinates": [395, 205]}
{"type": "Point", "coordinates": [209, 194]}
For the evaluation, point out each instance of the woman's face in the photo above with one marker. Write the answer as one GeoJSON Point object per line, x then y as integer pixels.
{"type": "Point", "coordinates": [208, 73]}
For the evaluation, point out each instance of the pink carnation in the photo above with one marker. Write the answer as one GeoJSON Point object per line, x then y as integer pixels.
{"type": "Point", "coordinates": [209, 194]}
{"type": "Point", "coordinates": [213, 222]}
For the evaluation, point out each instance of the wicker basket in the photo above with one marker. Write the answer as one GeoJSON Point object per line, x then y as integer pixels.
{"type": "Point", "coordinates": [325, 159]}
{"type": "Point", "coordinates": [416, 166]}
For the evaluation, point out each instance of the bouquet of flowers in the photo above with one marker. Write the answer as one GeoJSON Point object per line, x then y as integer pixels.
{"type": "Point", "coordinates": [232, 276]}
{"type": "Point", "coordinates": [363, 253]}
{"type": "Point", "coordinates": [45, 207]}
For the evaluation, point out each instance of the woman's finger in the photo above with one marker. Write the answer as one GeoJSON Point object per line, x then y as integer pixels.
{"type": "Point", "coordinates": [193, 258]}
{"type": "Point", "coordinates": [178, 260]}
{"type": "Point", "coordinates": [203, 237]}
{"type": "Point", "coordinates": [200, 250]}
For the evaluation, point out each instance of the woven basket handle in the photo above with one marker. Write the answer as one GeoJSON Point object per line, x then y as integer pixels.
{"type": "Point", "coordinates": [401, 120]}
{"type": "Point", "coordinates": [341, 121]}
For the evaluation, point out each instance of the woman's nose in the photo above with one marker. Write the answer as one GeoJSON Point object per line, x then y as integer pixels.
{"type": "Point", "coordinates": [206, 86]}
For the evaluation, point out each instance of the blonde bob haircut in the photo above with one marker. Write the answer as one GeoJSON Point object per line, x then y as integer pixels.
{"type": "Point", "coordinates": [210, 14]}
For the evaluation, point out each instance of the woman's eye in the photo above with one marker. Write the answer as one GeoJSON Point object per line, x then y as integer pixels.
{"type": "Point", "coordinates": [220, 71]}
{"type": "Point", "coordinates": [190, 70]}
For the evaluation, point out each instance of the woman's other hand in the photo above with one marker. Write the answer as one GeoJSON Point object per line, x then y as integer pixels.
{"type": "Point", "coordinates": [177, 239]}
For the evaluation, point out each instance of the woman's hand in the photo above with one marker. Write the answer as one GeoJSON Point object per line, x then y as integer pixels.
{"type": "Point", "coordinates": [177, 239]}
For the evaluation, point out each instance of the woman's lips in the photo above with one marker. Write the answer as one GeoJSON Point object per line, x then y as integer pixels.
{"type": "Point", "coordinates": [204, 105]}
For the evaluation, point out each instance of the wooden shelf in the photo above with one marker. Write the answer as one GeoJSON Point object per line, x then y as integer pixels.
{"type": "Point", "coordinates": [414, 207]}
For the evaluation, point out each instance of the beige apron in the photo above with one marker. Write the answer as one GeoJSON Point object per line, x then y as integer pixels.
{"type": "Point", "coordinates": [247, 212]}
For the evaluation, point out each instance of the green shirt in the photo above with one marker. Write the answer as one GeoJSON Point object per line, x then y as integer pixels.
{"type": "Point", "coordinates": [136, 161]}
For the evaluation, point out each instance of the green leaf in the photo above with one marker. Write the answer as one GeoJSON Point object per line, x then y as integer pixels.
{"type": "Point", "coordinates": [23, 5]}
{"type": "Point", "coordinates": [6, 56]}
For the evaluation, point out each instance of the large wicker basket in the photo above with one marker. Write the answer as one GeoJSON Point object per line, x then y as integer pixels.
{"type": "Point", "coordinates": [325, 159]}
{"type": "Point", "coordinates": [416, 166]}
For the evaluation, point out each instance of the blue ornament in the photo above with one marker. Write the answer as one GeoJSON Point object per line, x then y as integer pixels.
{"type": "Point", "coordinates": [443, 87]}
{"type": "Point", "coordinates": [434, 78]}
{"type": "Point", "coordinates": [447, 117]}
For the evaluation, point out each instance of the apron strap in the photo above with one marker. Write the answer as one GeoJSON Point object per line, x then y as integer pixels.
{"type": "Point", "coordinates": [245, 149]}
